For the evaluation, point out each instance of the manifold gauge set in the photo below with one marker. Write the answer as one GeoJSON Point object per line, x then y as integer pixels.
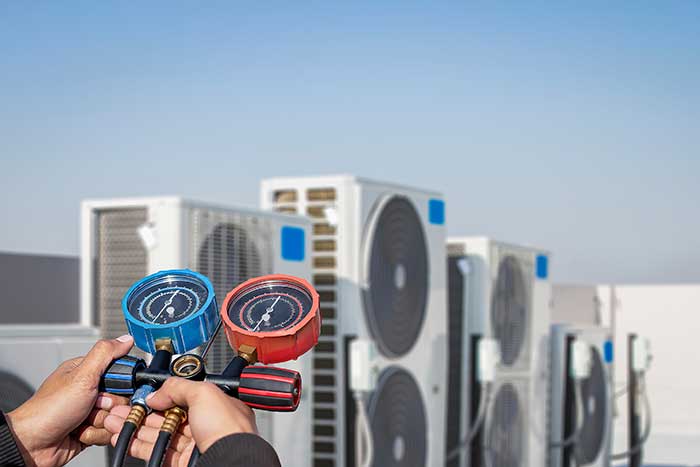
{"type": "Point", "coordinates": [173, 316]}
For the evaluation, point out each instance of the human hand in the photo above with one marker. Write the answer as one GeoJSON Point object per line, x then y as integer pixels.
{"type": "Point", "coordinates": [181, 444]}
{"type": "Point", "coordinates": [67, 412]}
{"type": "Point", "coordinates": [211, 416]}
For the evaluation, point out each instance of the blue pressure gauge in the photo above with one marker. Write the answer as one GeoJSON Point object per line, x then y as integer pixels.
{"type": "Point", "coordinates": [178, 304]}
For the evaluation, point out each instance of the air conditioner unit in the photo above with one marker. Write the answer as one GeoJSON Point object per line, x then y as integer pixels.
{"type": "Point", "coordinates": [592, 448]}
{"type": "Point", "coordinates": [30, 353]}
{"type": "Point", "coordinates": [379, 266]}
{"type": "Point", "coordinates": [124, 240]}
{"type": "Point", "coordinates": [500, 291]}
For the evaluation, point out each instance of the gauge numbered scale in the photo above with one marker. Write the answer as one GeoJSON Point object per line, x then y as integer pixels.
{"type": "Point", "coordinates": [176, 304]}
{"type": "Point", "coordinates": [276, 314]}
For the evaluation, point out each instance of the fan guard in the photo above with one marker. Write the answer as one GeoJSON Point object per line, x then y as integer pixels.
{"type": "Point", "coordinates": [396, 282]}
{"type": "Point", "coordinates": [228, 256]}
{"type": "Point", "coordinates": [505, 437]}
{"type": "Point", "coordinates": [398, 420]}
{"type": "Point", "coordinates": [594, 391]}
{"type": "Point", "coordinates": [14, 391]}
{"type": "Point", "coordinates": [510, 309]}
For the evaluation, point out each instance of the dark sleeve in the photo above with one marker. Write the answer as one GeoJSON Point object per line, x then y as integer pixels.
{"type": "Point", "coordinates": [240, 450]}
{"type": "Point", "coordinates": [9, 453]}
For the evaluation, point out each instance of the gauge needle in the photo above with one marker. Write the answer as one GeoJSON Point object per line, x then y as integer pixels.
{"type": "Point", "coordinates": [167, 303]}
{"type": "Point", "coordinates": [266, 315]}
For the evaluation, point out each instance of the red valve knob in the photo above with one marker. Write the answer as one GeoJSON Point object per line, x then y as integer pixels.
{"type": "Point", "coordinates": [270, 388]}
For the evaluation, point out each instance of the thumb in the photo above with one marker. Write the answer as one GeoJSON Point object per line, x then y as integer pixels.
{"type": "Point", "coordinates": [103, 352]}
{"type": "Point", "coordinates": [181, 392]}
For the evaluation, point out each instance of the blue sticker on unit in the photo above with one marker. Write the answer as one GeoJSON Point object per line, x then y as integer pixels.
{"type": "Point", "coordinates": [293, 243]}
{"type": "Point", "coordinates": [608, 352]}
{"type": "Point", "coordinates": [542, 267]}
{"type": "Point", "coordinates": [436, 211]}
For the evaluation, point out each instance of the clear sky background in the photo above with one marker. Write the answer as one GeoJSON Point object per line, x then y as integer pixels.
{"type": "Point", "coordinates": [570, 125]}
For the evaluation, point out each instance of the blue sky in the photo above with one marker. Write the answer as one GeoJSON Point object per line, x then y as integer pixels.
{"type": "Point", "coordinates": [573, 126]}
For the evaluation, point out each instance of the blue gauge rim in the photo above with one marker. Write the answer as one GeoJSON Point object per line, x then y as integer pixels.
{"type": "Point", "coordinates": [170, 272]}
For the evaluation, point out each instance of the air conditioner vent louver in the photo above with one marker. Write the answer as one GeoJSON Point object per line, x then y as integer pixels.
{"type": "Point", "coordinates": [228, 248]}
{"type": "Point", "coordinates": [286, 210]}
{"type": "Point", "coordinates": [325, 357]}
{"type": "Point", "coordinates": [317, 212]}
{"type": "Point", "coordinates": [324, 229]}
{"type": "Point", "coordinates": [285, 196]}
{"type": "Point", "coordinates": [321, 194]}
{"type": "Point", "coordinates": [324, 262]}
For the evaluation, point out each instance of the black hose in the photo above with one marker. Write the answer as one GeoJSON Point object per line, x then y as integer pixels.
{"type": "Point", "coordinates": [158, 454]}
{"type": "Point", "coordinates": [194, 457]}
{"type": "Point", "coordinates": [122, 446]}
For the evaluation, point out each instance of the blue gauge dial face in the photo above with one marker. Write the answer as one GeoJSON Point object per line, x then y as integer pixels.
{"type": "Point", "coordinates": [167, 299]}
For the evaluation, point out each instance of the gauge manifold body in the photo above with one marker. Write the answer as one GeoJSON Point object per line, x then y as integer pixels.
{"type": "Point", "coordinates": [276, 314]}
{"type": "Point", "coordinates": [176, 304]}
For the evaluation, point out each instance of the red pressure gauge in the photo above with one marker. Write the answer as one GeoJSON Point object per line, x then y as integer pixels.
{"type": "Point", "coordinates": [276, 314]}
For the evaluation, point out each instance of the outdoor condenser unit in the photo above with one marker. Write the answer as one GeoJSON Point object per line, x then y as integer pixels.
{"type": "Point", "coordinates": [124, 240]}
{"type": "Point", "coordinates": [378, 259]}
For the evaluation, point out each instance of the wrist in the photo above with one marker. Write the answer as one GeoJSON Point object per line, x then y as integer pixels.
{"type": "Point", "coordinates": [21, 432]}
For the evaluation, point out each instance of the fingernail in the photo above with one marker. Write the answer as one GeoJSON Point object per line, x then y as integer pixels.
{"type": "Point", "coordinates": [125, 338]}
{"type": "Point", "coordinates": [150, 396]}
{"type": "Point", "coordinates": [104, 402]}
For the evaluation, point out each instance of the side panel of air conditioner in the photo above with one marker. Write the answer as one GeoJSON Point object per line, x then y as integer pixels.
{"type": "Point", "coordinates": [26, 361]}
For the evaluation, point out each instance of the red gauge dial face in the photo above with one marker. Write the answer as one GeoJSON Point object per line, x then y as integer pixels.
{"type": "Point", "coordinates": [269, 307]}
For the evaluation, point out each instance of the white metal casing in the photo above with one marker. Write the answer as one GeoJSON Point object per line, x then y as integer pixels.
{"type": "Point", "coordinates": [599, 339]}
{"type": "Point", "coordinates": [351, 210]}
{"type": "Point", "coordinates": [528, 373]}
{"type": "Point", "coordinates": [33, 352]}
{"type": "Point", "coordinates": [175, 229]}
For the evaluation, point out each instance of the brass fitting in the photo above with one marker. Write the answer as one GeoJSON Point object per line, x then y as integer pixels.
{"type": "Point", "coordinates": [164, 343]}
{"type": "Point", "coordinates": [136, 415]}
{"type": "Point", "coordinates": [248, 352]}
{"type": "Point", "coordinates": [173, 418]}
{"type": "Point", "coordinates": [186, 366]}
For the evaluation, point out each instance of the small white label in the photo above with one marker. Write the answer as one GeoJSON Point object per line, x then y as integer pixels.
{"type": "Point", "coordinates": [464, 266]}
{"type": "Point", "coordinates": [147, 233]}
{"type": "Point", "coordinates": [331, 216]}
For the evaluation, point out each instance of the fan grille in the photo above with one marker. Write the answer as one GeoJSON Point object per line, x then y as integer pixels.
{"type": "Point", "coordinates": [229, 248]}
{"type": "Point", "coordinates": [14, 391]}
{"type": "Point", "coordinates": [398, 420]}
{"type": "Point", "coordinates": [397, 279]}
{"type": "Point", "coordinates": [510, 309]}
{"type": "Point", "coordinates": [594, 393]}
{"type": "Point", "coordinates": [121, 260]}
{"type": "Point", "coordinates": [505, 437]}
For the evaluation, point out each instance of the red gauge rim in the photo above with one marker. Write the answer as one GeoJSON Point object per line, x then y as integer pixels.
{"type": "Point", "coordinates": [259, 281]}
